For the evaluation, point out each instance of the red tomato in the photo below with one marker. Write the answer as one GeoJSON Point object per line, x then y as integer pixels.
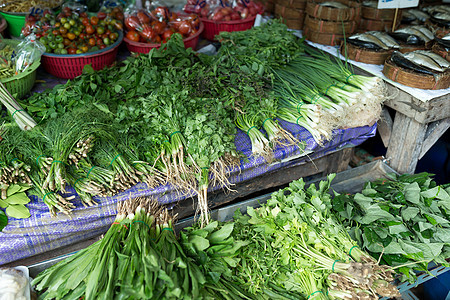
{"type": "Point", "coordinates": [72, 51]}
{"type": "Point", "coordinates": [94, 20]}
{"type": "Point", "coordinates": [235, 16]}
{"type": "Point", "coordinates": [162, 11]}
{"type": "Point", "coordinates": [101, 15]}
{"type": "Point", "coordinates": [132, 23]}
{"type": "Point", "coordinates": [148, 33]}
{"type": "Point", "coordinates": [217, 16]}
{"type": "Point", "coordinates": [92, 42]}
{"type": "Point", "coordinates": [85, 21]}
{"type": "Point", "coordinates": [158, 39]}
{"type": "Point", "coordinates": [167, 34]}
{"type": "Point", "coordinates": [184, 28]}
{"type": "Point", "coordinates": [83, 15]}
{"type": "Point", "coordinates": [252, 11]}
{"type": "Point", "coordinates": [90, 29]}
{"type": "Point", "coordinates": [159, 27]}
{"type": "Point", "coordinates": [133, 36]}
{"type": "Point", "coordinates": [143, 18]}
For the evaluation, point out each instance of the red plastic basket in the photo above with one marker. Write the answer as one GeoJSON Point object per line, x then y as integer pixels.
{"type": "Point", "coordinates": [70, 66]}
{"type": "Point", "coordinates": [137, 47]}
{"type": "Point", "coordinates": [213, 28]}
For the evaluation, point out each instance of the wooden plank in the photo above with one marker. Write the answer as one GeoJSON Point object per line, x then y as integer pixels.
{"type": "Point", "coordinates": [385, 126]}
{"type": "Point", "coordinates": [405, 143]}
{"type": "Point", "coordinates": [438, 109]}
{"type": "Point", "coordinates": [434, 131]}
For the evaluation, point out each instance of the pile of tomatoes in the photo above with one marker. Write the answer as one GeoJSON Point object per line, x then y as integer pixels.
{"type": "Point", "coordinates": [159, 25]}
{"type": "Point", "coordinates": [73, 33]}
{"type": "Point", "coordinates": [225, 13]}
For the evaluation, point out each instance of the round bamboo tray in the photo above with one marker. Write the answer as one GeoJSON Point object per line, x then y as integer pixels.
{"type": "Point", "coordinates": [315, 10]}
{"type": "Point", "coordinates": [379, 14]}
{"type": "Point", "coordinates": [366, 56]}
{"type": "Point", "coordinates": [294, 23]}
{"type": "Point", "coordinates": [324, 26]}
{"type": "Point", "coordinates": [322, 38]}
{"type": "Point", "coordinates": [288, 13]}
{"type": "Point", "coordinates": [405, 48]}
{"type": "Point", "coordinates": [298, 4]}
{"type": "Point", "coordinates": [441, 51]}
{"type": "Point", "coordinates": [376, 25]}
{"type": "Point", "coordinates": [414, 79]}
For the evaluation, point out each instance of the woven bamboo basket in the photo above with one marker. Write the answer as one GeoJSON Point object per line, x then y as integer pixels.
{"type": "Point", "coordinates": [363, 55]}
{"type": "Point", "coordinates": [405, 48]}
{"type": "Point", "coordinates": [295, 23]}
{"type": "Point", "coordinates": [414, 79]}
{"type": "Point", "coordinates": [376, 25]}
{"type": "Point", "coordinates": [441, 51]}
{"type": "Point", "coordinates": [331, 39]}
{"type": "Point", "coordinates": [325, 26]}
{"type": "Point", "coordinates": [288, 13]}
{"type": "Point", "coordinates": [379, 14]}
{"type": "Point", "coordinates": [315, 10]}
{"type": "Point", "coordinates": [298, 4]}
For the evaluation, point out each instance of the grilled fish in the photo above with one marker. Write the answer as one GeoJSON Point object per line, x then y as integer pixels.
{"type": "Point", "coordinates": [369, 38]}
{"type": "Point", "coordinates": [407, 38]}
{"type": "Point", "coordinates": [363, 44]}
{"type": "Point", "coordinates": [423, 60]}
{"type": "Point", "coordinates": [385, 38]}
{"type": "Point", "coordinates": [436, 57]}
{"type": "Point", "coordinates": [401, 61]}
{"type": "Point", "coordinates": [333, 4]}
{"type": "Point", "coordinates": [424, 30]}
{"type": "Point", "coordinates": [413, 31]}
{"type": "Point", "coordinates": [418, 14]}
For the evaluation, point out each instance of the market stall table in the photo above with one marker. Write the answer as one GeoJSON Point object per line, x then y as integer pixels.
{"type": "Point", "coordinates": [421, 117]}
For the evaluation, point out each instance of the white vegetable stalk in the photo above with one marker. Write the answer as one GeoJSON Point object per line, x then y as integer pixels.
{"type": "Point", "coordinates": [23, 120]}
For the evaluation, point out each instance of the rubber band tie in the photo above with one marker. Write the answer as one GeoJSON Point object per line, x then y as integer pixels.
{"type": "Point", "coordinates": [166, 141]}
{"type": "Point", "coordinates": [117, 223]}
{"type": "Point", "coordinates": [43, 199]}
{"type": "Point", "coordinates": [89, 172]}
{"type": "Point", "coordinates": [332, 268]}
{"type": "Point", "coordinates": [205, 168]}
{"type": "Point", "coordinates": [251, 129]}
{"type": "Point", "coordinates": [16, 111]}
{"type": "Point", "coordinates": [75, 183]}
{"type": "Point", "coordinates": [328, 89]}
{"type": "Point", "coordinates": [314, 293]}
{"type": "Point", "coordinates": [346, 79]}
{"type": "Point", "coordinates": [266, 120]}
{"type": "Point", "coordinates": [314, 99]}
{"type": "Point", "coordinates": [57, 161]}
{"type": "Point", "coordinates": [350, 251]}
{"type": "Point", "coordinates": [114, 159]}
{"type": "Point", "coordinates": [167, 228]}
{"type": "Point", "coordinates": [14, 159]}
{"type": "Point", "coordinates": [170, 136]}
{"type": "Point", "coordinates": [298, 119]}
{"type": "Point", "coordinates": [299, 105]}
{"type": "Point", "coordinates": [37, 159]}
{"type": "Point", "coordinates": [139, 221]}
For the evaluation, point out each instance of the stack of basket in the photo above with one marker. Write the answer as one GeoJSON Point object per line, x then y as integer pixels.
{"type": "Point", "coordinates": [292, 12]}
{"type": "Point", "coordinates": [374, 19]}
{"type": "Point", "coordinates": [327, 23]}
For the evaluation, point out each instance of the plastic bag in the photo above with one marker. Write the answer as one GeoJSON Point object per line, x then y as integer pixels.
{"type": "Point", "coordinates": [75, 7]}
{"type": "Point", "coordinates": [222, 10]}
{"type": "Point", "coordinates": [28, 51]}
{"type": "Point", "coordinates": [158, 25]}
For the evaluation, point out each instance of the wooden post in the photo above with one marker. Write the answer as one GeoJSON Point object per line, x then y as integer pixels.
{"type": "Point", "coordinates": [395, 19]}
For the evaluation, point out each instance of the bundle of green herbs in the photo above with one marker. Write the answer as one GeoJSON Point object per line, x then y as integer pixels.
{"type": "Point", "coordinates": [139, 257]}
{"type": "Point", "coordinates": [403, 220]}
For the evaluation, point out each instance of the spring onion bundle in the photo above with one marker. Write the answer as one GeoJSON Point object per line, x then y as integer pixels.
{"type": "Point", "coordinates": [23, 120]}
{"type": "Point", "coordinates": [139, 257]}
